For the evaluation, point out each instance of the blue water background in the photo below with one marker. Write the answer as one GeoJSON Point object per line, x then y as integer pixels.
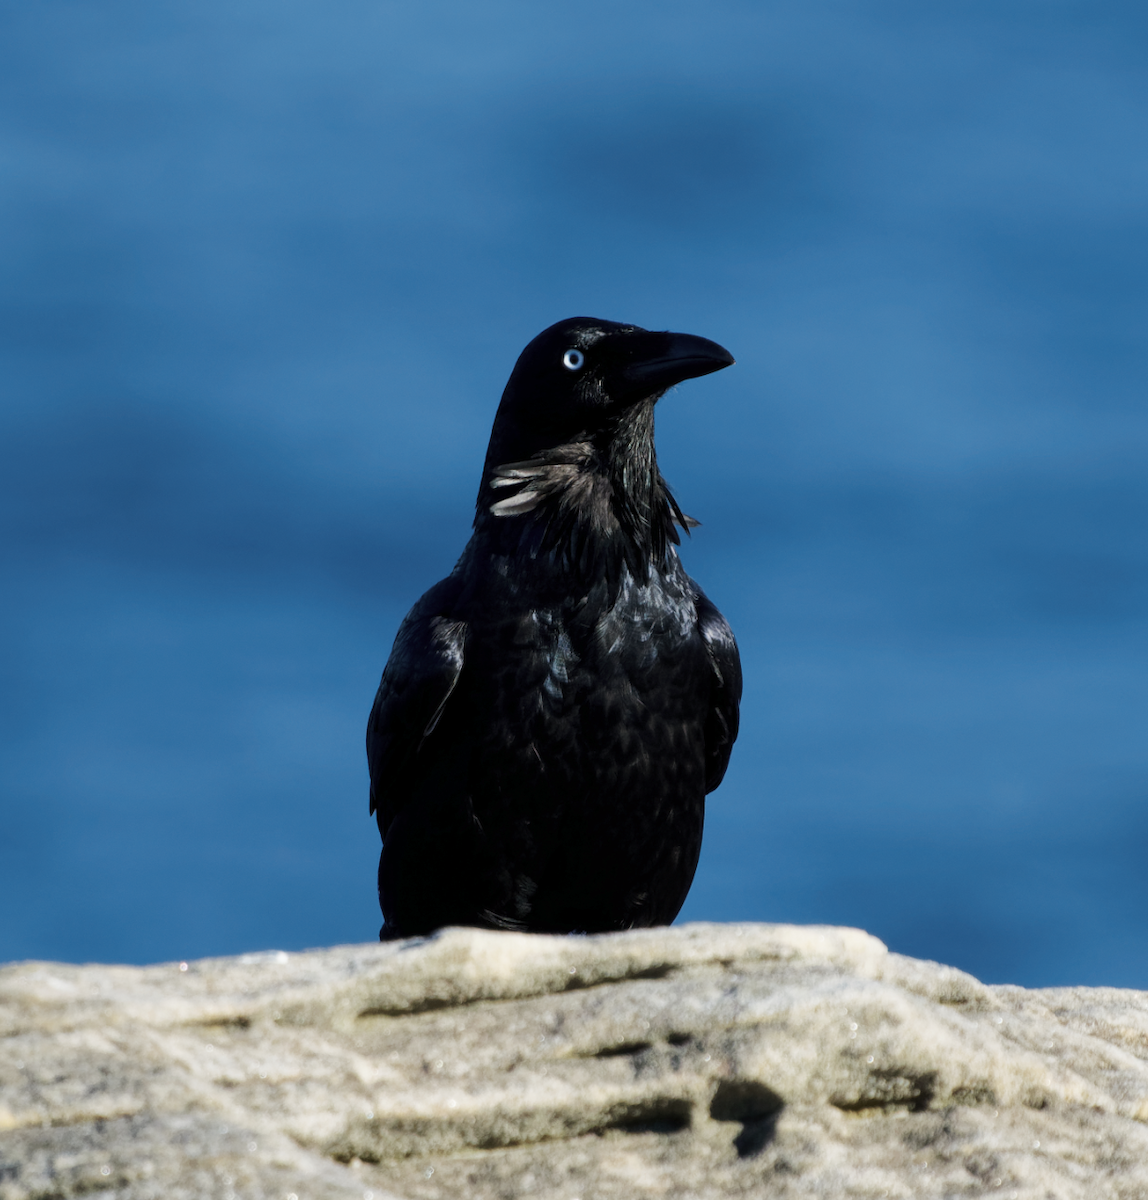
{"type": "Point", "coordinates": [264, 268]}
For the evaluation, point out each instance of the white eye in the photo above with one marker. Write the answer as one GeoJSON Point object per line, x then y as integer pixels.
{"type": "Point", "coordinates": [572, 360]}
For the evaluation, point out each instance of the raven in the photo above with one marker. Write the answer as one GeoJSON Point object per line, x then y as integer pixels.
{"type": "Point", "coordinates": [554, 712]}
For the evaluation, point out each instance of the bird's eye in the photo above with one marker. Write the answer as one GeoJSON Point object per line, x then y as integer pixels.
{"type": "Point", "coordinates": [572, 360]}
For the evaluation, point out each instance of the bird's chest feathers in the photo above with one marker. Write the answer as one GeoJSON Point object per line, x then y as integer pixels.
{"type": "Point", "coordinates": [557, 657]}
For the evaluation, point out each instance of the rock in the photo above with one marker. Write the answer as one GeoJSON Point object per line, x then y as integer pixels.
{"type": "Point", "coordinates": [699, 1061]}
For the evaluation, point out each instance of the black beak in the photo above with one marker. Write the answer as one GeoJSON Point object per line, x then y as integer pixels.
{"type": "Point", "coordinates": [653, 362]}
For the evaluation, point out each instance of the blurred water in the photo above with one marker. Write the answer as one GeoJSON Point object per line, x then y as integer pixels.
{"type": "Point", "coordinates": [264, 269]}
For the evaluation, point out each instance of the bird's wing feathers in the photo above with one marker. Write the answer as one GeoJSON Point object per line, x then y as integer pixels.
{"type": "Point", "coordinates": [420, 675]}
{"type": "Point", "coordinates": [722, 718]}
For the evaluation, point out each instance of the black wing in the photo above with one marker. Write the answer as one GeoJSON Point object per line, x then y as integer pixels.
{"type": "Point", "coordinates": [722, 717]}
{"type": "Point", "coordinates": [420, 675]}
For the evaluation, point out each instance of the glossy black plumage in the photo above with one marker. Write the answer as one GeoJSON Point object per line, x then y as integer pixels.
{"type": "Point", "coordinates": [554, 712]}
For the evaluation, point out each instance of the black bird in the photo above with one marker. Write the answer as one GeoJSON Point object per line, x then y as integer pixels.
{"type": "Point", "coordinates": [554, 712]}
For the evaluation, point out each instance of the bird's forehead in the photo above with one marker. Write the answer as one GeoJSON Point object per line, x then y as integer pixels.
{"type": "Point", "coordinates": [586, 338]}
{"type": "Point", "coordinates": [584, 332]}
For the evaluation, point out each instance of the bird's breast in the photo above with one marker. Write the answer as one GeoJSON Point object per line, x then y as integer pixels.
{"type": "Point", "coordinates": [565, 683]}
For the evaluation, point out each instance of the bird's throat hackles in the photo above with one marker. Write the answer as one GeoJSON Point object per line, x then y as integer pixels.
{"type": "Point", "coordinates": [602, 494]}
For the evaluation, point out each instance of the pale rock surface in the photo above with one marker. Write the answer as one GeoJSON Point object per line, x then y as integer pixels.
{"type": "Point", "coordinates": [700, 1061]}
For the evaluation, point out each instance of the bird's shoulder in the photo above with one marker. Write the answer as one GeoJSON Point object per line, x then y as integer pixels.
{"type": "Point", "coordinates": [421, 673]}
{"type": "Point", "coordinates": [718, 637]}
{"type": "Point", "coordinates": [721, 724]}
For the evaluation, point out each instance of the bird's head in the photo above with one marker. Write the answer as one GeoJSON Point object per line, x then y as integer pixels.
{"type": "Point", "coordinates": [571, 464]}
{"type": "Point", "coordinates": [578, 379]}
